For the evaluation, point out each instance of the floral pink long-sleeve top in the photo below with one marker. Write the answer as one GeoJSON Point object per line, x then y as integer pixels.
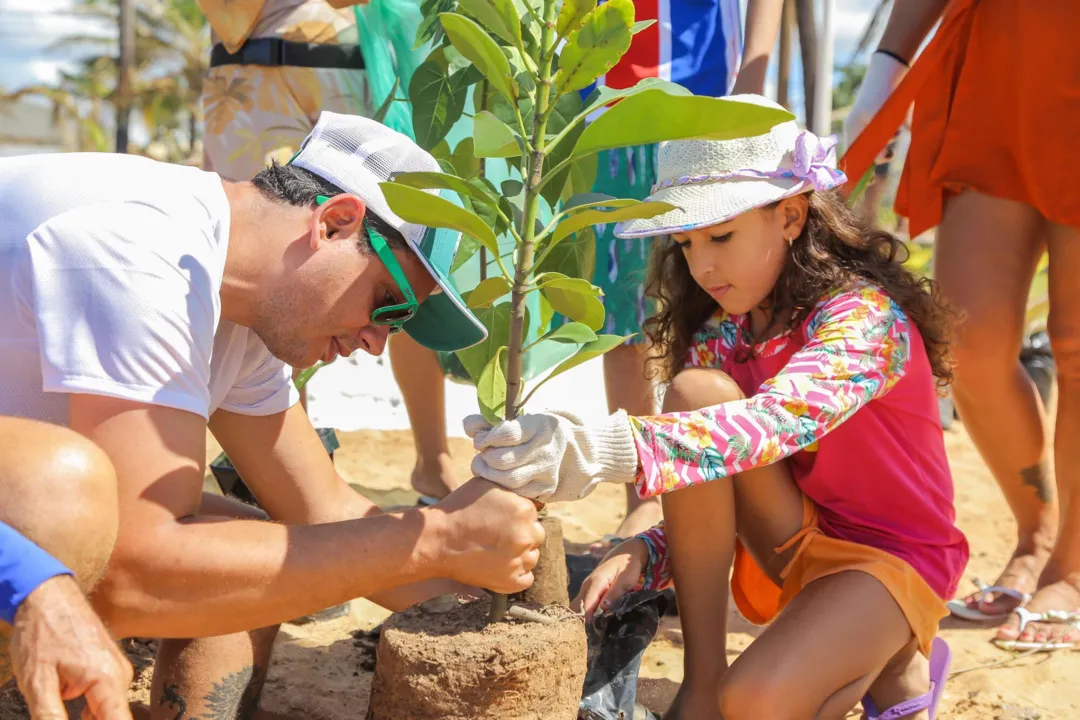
{"type": "Point", "coordinates": [850, 400]}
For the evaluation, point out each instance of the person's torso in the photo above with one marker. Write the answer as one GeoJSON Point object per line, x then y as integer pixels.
{"type": "Point", "coordinates": [312, 21]}
{"type": "Point", "coordinates": [882, 477]}
{"type": "Point", "coordinates": [36, 189]}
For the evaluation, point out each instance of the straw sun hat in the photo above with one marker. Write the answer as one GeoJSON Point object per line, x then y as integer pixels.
{"type": "Point", "coordinates": [712, 181]}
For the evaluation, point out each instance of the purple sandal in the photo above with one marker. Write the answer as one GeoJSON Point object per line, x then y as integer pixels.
{"type": "Point", "coordinates": [940, 658]}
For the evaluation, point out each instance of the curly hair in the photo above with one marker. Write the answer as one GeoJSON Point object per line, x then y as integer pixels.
{"type": "Point", "coordinates": [836, 249]}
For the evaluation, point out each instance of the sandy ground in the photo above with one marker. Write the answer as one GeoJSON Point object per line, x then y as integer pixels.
{"type": "Point", "coordinates": [323, 671]}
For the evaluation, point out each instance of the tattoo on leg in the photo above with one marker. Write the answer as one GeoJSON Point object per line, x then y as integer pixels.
{"type": "Point", "coordinates": [172, 696]}
{"type": "Point", "coordinates": [236, 696]}
{"type": "Point", "coordinates": [1035, 476]}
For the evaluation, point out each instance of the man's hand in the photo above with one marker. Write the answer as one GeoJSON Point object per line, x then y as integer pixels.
{"type": "Point", "coordinates": [553, 456]}
{"type": "Point", "coordinates": [490, 538]}
{"type": "Point", "coordinates": [60, 650]}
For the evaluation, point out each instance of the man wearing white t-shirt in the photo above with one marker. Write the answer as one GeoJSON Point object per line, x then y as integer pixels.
{"type": "Point", "coordinates": [141, 302]}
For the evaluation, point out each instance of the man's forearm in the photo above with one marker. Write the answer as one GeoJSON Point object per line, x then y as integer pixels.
{"type": "Point", "coordinates": [214, 576]}
{"type": "Point", "coordinates": [762, 26]}
{"type": "Point", "coordinates": [909, 23]}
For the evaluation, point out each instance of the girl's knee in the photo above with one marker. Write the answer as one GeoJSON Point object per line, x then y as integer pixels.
{"type": "Point", "coordinates": [696, 388]}
{"type": "Point", "coordinates": [753, 696]}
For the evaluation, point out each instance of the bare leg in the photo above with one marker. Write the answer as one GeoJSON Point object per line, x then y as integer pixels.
{"type": "Point", "coordinates": [59, 490]}
{"type": "Point", "coordinates": [217, 678]}
{"type": "Point", "coordinates": [700, 521]}
{"type": "Point", "coordinates": [629, 388]}
{"type": "Point", "coordinates": [985, 258]}
{"type": "Point", "coordinates": [823, 654]}
{"type": "Point", "coordinates": [1059, 584]}
{"type": "Point", "coordinates": [420, 377]}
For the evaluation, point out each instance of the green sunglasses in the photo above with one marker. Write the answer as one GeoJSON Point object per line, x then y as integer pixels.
{"type": "Point", "coordinates": [393, 315]}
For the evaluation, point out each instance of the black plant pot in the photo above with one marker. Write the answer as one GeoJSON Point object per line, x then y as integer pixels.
{"type": "Point", "coordinates": [1038, 361]}
{"type": "Point", "coordinates": [233, 486]}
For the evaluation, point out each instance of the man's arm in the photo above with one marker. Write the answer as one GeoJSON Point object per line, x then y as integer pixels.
{"type": "Point", "coordinates": [177, 574]}
{"type": "Point", "coordinates": [762, 26]}
{"type": "Point", "coordinates": [283, 461]}
{"type": "Point", "coordinates": [23, 566]}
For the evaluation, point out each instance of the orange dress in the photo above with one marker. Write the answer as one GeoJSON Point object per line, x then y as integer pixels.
{"type": "Point", "coordinates": [997, 110]}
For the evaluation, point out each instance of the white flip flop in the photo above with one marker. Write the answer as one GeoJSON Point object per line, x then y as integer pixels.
{"type": "Point", "coordinates": [962, 610]}
{"type": "Point", "coordinates": [1070, 618]}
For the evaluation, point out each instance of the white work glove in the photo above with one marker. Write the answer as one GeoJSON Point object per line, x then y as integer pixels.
{"type": "Point", "coordinates": [883, 74]}
{"type": "Point", "coordinates": [553, 456]}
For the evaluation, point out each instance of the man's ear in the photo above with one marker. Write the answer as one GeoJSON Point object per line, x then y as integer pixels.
{"type": "Point", "coordinates": [794, 210]}
{"type": "Point", "coordinates": [339, 218]}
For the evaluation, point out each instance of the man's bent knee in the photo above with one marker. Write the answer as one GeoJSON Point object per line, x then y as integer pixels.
{"type": "Point", "coordinates": [59, 489]}
{"type": "Point", "coordinates": [696, 388]}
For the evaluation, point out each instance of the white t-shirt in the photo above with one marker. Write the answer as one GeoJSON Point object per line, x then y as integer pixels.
{"type": "Point", "coordinates": [110, 273]}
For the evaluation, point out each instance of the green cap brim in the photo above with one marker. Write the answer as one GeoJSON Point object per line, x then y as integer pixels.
{"type": "Point", "coordinates": [443, 322]}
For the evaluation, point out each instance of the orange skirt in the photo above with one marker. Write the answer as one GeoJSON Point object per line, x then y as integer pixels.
{"type": "Point", "coordinates": [760, 600]}
{"type": "Point", "coordinates": [997, 104]}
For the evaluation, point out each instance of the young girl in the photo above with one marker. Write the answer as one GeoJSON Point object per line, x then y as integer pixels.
{"type": "Point", "coordinates": [801, 442]}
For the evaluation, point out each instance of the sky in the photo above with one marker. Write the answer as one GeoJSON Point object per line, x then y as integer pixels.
{"type": "Point", "coordinates": [30, 29]}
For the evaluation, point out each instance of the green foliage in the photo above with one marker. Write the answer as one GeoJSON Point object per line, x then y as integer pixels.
{"type": "Point", "coordinates": [596, 46]}
{"type": "Point", "coordinates": [525, 62]}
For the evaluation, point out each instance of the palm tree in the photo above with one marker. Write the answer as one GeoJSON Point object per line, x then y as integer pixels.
{"type": "Point", "coordinates": [172, 47]}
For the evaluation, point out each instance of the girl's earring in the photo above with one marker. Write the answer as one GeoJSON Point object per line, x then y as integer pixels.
{"type": "Point", "coordinates": [790, 241]}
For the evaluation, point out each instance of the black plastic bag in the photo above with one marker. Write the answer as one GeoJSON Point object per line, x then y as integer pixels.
{"type": "Point", "coordinates": [617, 641]}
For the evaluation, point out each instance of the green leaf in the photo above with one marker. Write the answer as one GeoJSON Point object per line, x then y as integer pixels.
{"type": "Point", "coordinates": [593, 49]}
{"type": "Point", "coordinates": [497, 321]}
{"type": "Point", "coordinates": [575, 257]}
{"type": "Point", "coordinates": [429, 210]}
{"type": "Point", "coordinates": [573, 332]}
{"type": "Point", "coordinates": [441, 151]}
{"type": "Point", "coordinates": [493, 137]}
{"type": "Point", "coordinates": [576, 304]}
{"type": "Point", "coordinates": [588, 351]}
{"type": "Point", "coordinates": [464, 159]}
{"type": "Point", "coordinates": [604, 95]}
{"type": "Point", "coordinates": [488, 291]}
{"type": "Point", "coordinates": [598, 217]}
{"type": "Point", "coordinates": [430, 28]}
{"type": "Point", "coordinates": [442, 181]}
{"type": "Point", "coordinates": [546, 313]}
{"type": "Point", "coordinates": [572, 15]}
{"type": "Point", "coordinates": [639, 26]}
{"type": "Point", "coordinates": [512, 188]}
{"type": "Point", "coordinates": [655, 115]}
{"type": "Point", "coordinates": [565, 111]}
{"type": "Point", "coordinates": [467, 249]}
{"type": "Point", "coordinates": [569, 284]}
{"type": "Point", "coordinates": [474, 43]}
{"type": "Point", "coordinates": [437, 104]}
{"type": "Point", "coordinates": [498, 16]}
{"type": "Point", "coordinates": [591, 199]}
{"type": "Point", "coordinates": [491, 388]}
{"type": "Point", "coordinates": [582, 177]}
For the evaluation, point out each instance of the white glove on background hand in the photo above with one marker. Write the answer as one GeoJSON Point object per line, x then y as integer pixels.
{"type": "Point", "coordinates": [553, 456]}
{"type": "Point", "coordinates": [883, 74]}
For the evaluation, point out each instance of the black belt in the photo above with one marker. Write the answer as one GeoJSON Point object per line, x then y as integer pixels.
{"type": "Point", "coordinates": [277, 52]}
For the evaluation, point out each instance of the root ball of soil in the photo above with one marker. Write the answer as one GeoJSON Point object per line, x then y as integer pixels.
{"type": "Point", "coordinates": [455, 666]}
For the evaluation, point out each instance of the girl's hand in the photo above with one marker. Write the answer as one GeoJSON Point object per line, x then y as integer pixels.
{"type": "Point", "coordinates": [553, 456]}
{"type": "Point", "coordinates": [616, 575]}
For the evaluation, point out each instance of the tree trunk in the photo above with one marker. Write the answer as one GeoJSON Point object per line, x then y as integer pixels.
{"type": "Point", "coordinates": [124, 64]}
{"type": "Point", "coordinates": [783, 82]}
{"type": "Point", "coordinates": [807, 21]}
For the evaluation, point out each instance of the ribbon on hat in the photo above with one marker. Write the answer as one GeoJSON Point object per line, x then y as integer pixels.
{"type": "Point", "coordinates": [813, 160]}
